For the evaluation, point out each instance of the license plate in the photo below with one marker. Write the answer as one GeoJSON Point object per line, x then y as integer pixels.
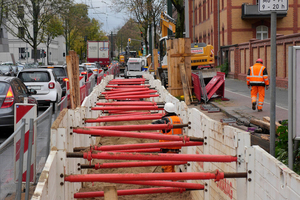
{"type": "Point", "coordinates": [35, 87]}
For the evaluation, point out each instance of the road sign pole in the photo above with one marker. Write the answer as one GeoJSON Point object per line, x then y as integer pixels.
{"type": "Point", "coordinates": [273, 83]}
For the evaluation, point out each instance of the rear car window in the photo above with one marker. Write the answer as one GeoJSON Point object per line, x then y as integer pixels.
{"type": "Point", "coordinates": [59, 71]}
{"type": "Point", "coordinates": [4, 68]}
{"type": "Point", "coordinates": [3, 88]}
{"type": "Point", "coordinates": [34, 76]}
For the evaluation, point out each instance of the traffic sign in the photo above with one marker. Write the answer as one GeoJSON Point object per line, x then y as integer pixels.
{"type": "Point", "coordinates": [273, 5]}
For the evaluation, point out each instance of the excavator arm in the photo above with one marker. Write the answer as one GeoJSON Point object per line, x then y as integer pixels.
{"type": "Point", "coordinates": [166, 22]}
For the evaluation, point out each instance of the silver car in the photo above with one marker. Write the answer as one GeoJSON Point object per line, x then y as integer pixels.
{"type": "Point", "coordinates": [45, 82]}
{"type": "Point", "coordinates": [91, 66]}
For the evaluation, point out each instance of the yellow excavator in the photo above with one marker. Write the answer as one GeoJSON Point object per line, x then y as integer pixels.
{"type": "Point", "coordinates": [203, 54]}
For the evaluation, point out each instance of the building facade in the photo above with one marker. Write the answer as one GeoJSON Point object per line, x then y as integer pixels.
{"type": "Point", "coordinates": [234, 24]}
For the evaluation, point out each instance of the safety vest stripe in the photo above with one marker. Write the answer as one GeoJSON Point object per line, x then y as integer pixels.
{"type": "Point", "coordinates": [171, 123]}
{"type": "Point", "coordinates": [257, 81]}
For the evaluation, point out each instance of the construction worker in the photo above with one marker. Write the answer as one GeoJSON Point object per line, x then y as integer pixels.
{"type": "Point", "coordinates": [257, 78]}
{"type": "Point", "coordinates": [170, 117]}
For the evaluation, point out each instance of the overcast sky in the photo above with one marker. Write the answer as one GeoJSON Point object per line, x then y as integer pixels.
{"type": "Point", "coordinates": [100, 10]}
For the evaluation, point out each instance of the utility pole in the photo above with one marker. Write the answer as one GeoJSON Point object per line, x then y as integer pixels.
{"type": "Point", "coordinates": [273, 7]}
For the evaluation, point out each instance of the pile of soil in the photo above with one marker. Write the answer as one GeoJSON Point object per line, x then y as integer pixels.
{"type": "Point", "coordinates": [99, 186]}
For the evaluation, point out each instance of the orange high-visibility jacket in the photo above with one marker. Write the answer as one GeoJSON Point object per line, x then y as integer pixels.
{"type": "Point", "coordinates": [175, 131]}
{"type": "Point", "coordinates": [257, 75]}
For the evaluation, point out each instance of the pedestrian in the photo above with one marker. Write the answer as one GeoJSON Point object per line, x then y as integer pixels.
{"type": "Point", "coordinates": [257, 78]}
{"type": "Point", "coordinates": [173, 118]}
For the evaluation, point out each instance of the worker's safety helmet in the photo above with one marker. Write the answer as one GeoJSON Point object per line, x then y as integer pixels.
{"type": "Point", "coordinates": [169, 107]}
{"type": "Point", "coordinates": [259, 61]}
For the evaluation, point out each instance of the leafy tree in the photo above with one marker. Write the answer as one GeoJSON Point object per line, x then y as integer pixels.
{"type": "Point", "coordinates": [53, 29]}
{"type": "Point", "coordinates": [129, 30]}
{"type": "Point", "coordinates": [75, 22]}
{"type": "Point", "coordinates": [27, 20]}
{"type": "Point", "coordinates": [92, 32]}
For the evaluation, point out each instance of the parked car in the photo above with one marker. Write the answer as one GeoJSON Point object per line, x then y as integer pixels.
{"type": "Point", "coordinates": [16, 69]}
{"type": "Point", "coordinates": [6, 70]}
{"type": "Point", "coordinates": [7, 63]}
{"type": "Point", "coordinates": [45, 82]}
{"type": "Point", "coordinates": [12, 90]}
{"type": "Point", "coordinates": [61, 74]}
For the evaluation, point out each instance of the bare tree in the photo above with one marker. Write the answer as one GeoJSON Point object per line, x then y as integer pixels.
{"type": "Point", "coordinates": [27, 19]}
{"type": "Point", "coordinates": [145, 13]}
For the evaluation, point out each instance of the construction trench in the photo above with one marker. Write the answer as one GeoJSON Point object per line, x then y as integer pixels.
{"type": "Point", "coordinates": [109, 148]}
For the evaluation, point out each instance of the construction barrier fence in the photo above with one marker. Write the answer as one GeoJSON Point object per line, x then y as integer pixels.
{"type": "Point", "coordinates": [267, 178]}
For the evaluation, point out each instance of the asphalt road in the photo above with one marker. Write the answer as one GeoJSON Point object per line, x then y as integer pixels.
{"type": "Point", "coordinates": [241, 88]}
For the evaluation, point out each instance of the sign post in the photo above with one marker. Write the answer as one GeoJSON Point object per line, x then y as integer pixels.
{"type": "Point", "coordinates": [273, 6]}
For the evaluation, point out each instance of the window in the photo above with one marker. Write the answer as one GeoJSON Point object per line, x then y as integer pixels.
{"type": "Point", "coordinates": [261, 32]}
{"type": "Point", "coordinates": [1, 33]}
{"type": "Point", "coordinates": [21, 32]}
{"type": "Point", "coordinates": [20, 12]}
{"type": "Point", "coordinates": [22, 53]}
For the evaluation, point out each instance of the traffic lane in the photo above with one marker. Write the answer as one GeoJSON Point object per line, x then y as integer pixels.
{"type": "Point", "coordinates": [7, 183]}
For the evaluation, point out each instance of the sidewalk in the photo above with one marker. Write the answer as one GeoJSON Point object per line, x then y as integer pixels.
{"type": "Point", "coordinates": [239, 105]}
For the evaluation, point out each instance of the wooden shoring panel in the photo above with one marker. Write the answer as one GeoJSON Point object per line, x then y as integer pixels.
{"type": "Point", "coordinates": [155, 60]}
{"type": "Point", "coordinates": [73, 71]}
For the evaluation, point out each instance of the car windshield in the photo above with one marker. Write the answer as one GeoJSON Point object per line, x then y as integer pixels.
{"type": "Point", "coordinates": [4, 68]}
{"type": "Point", "coordinates": [34, 76]}
{"type": "Point", "coordinates": [3, 88]}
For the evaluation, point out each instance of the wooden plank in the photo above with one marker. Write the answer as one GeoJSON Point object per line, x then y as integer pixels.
{"type": "Point", "coordinates": [184, 84]}
{"type": "Point", "coordinates": [155, 61]}
{"type": "Point", "coordinates": [182, 54]}
{"type": "Point", "coordinates": [267, 119]}
{"type": "Point", "coordinates": [110, 193]}
{"type": "Point", "coordinates": [260, 123]}
{"type": "Point", "coordinates": [73, 71]}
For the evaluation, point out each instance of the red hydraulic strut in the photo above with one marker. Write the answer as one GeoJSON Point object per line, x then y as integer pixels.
{"type": "Point", "coordinates": [117, 82]}
{"type": "Point", "coordinates": [127, 114]}
{"type": "Point", "coordinates": [144, 177]}
{"type": "Point", "coordinates": [129, 103]}
{"type": "Point", "coordinates": [151, 135]}
{"type": "Point", "coordinates": [132, 93]}
{"type": "Point", "coordinates": [155, 156]}
{"type": "Point", "coordinates": [130, 192]}
{"type": "Point", "coordinates": [127, 86]}
{"type": "Point", "coordinates": [132, 164]}
{"type": "Point", "coordinates": [138, 127]}
{"type": "Point", "coordinates": [127, 80]}
{"type": "Point", "coordinates": [140, 146]}
{"type": "Point", "coordinates": [140, 150]}
{"type": "Point", "coordinates": [126, 118]}
{"type": "Point", "coordinates": [128, 108]}
{"type": "Point", "coordinates": [165, 184]}
{"type": "Point", "coordinates": [134, 96]}
{"type": "Point", "coordinates": [125, 90]}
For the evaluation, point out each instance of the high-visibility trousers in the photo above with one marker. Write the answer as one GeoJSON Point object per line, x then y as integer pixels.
{"type": "Point", "coordinates": [168, 168]}
{"type": "Point", "coordinates": [261, 95]}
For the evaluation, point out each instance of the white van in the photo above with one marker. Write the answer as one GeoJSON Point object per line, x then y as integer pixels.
{"type": "Point", "coordinates": [134, 68]}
